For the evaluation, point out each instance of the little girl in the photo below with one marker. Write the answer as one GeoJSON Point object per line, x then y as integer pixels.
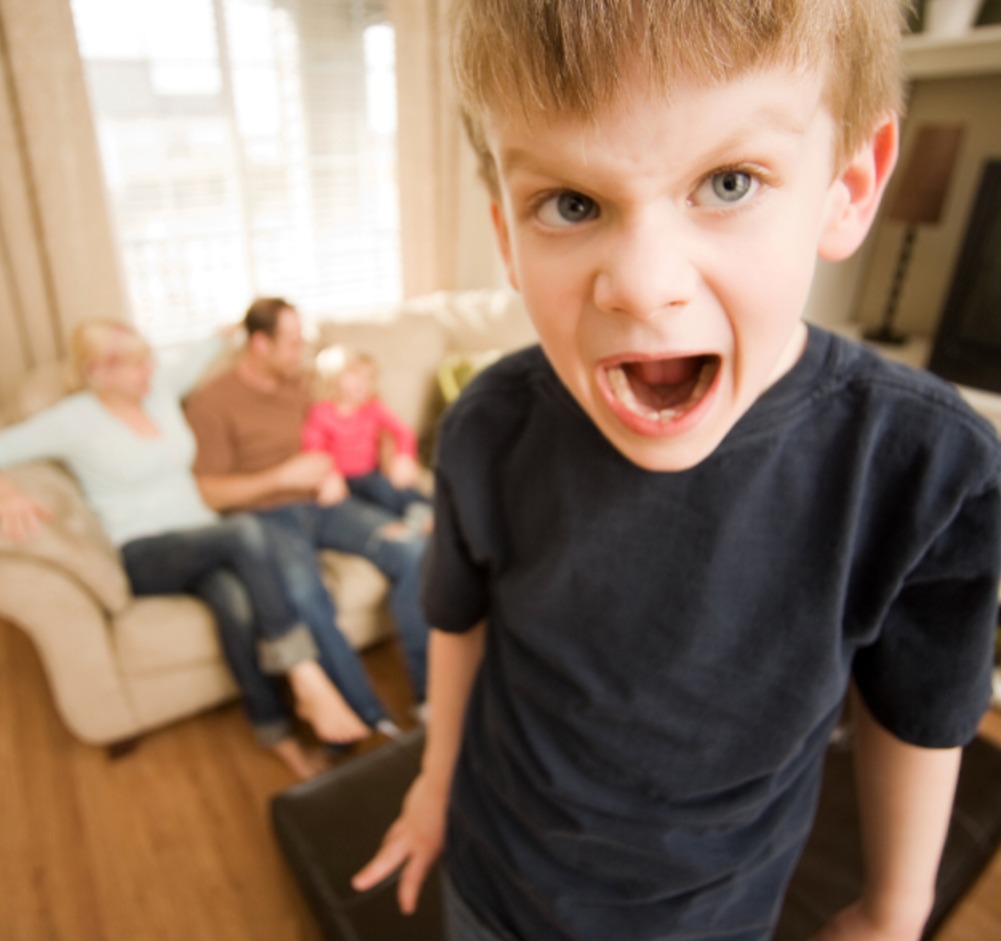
{"type": "Point", "coordinates": [348, 423]}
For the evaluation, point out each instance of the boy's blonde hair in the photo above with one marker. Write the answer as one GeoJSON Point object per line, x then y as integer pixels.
{"type": "Point", "coordinates": [571, 56]}
{"type": "Point", "coordinates": [97, 343]}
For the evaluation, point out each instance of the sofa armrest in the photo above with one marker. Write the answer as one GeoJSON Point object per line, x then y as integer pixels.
{"type": "Point", "coordinates": [72, 542]}
{"type": "Point", "coordinates": [72, 636]}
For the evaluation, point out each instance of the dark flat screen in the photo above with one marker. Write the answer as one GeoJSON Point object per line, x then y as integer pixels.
{"type": "Point", "coordinates": [967, 347]}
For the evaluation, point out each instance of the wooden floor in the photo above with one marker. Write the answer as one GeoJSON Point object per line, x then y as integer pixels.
{"type": "Point", "coordinates": [172, 842]}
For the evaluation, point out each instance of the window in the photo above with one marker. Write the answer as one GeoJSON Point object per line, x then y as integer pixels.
{"type": "Point", "coordinates": [249, 148]}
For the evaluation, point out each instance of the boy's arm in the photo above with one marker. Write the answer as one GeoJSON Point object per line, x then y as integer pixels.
{"type": "Point", "coordinates": [905, 802]}
{"type": "Point", "coordinates": [415, 840]}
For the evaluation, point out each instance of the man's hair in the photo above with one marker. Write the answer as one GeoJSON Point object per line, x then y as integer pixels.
{"type": "Point", "coordinates": [571, 57]}
{"type": "Point", "coordinates": [262, 315]}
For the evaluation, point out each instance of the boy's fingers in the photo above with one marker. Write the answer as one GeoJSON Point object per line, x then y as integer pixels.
{"type": "Point", "coordinates": [411, 881]}
{"type": "Point", "coordinates": [382, 865]}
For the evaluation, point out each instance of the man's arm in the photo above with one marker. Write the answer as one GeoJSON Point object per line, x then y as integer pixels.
{"type": "Point", "coordinates": [905, 802]}
{"type": "Point", "coordinates": [212, 415]}
{"type": "Point", "coordinates": [415, 840]}
{"type": "Point", "coordinates": [301, 472]}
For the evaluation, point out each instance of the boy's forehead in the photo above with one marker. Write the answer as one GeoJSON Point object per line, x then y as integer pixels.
{"type": "Point", "coordinates": [776, 99]}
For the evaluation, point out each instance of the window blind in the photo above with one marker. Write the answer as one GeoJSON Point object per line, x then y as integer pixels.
{"type": "Point", "coordinates": [249, 148]}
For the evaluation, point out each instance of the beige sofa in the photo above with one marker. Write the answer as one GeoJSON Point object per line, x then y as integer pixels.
{"type": "Point", "coordinates": [119, 666]}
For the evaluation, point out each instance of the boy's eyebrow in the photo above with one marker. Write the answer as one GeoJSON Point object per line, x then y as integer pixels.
{"type": "Point", "coordinates": [766, 118]}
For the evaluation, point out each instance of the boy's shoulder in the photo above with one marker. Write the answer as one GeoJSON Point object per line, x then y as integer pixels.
{"type": "Point", "coordinates": [892, 389]}
{"type": "Point", "coordinates": [507, 385]}
{"type": "Point", "coordinates": [495, 403]}
{"type": "Point", "coordinates": [887, 418]}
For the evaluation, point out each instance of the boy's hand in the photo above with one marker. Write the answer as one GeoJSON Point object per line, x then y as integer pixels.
{"type": "Point", "coordinates": [857, 923]}
{"type": "Point", "coordinates": [414, 842]}
{"type": "Point", "coordinates": [20, 515]}
{"type": "Point", "coordinates": [333, 489]}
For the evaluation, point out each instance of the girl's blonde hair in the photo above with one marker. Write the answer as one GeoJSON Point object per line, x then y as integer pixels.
{"type": "Point", "coordinates": [331, 361]}
{"type": "Point", "coordinates": [103, 342]}
{"type": "Point", "coordinates": [571, 56]}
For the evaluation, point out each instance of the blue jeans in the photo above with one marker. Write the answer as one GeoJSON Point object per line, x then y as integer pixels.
{"type": "Point", "coordinates": [231, 566]}
{"type": "Point", "coordinates": [175, 561]}
{"type": "Point", "coordinates": [263, 696]}
{"type": "Point", "coordinates": [314, 606]}
{"type": "Point", "coordinates": [376, 488]}
{"type": "Point", "coordinates": [356, 527]}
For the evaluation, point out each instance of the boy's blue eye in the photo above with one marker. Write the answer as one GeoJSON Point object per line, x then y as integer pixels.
{"type": "Point", "coordinates": [727, 186]}
{"type": "Point", "coordinates": [567, 208]}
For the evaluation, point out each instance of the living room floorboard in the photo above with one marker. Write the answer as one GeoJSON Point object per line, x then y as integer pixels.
{"type": "Point", "coordinates": [172, 842]}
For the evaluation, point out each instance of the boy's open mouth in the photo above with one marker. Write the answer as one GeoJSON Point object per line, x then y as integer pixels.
{"type": "Point", "coordinates": [662, 390]}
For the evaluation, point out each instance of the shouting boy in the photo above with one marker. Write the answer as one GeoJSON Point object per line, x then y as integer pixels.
{"type": "Point", "coordinates": [667, 540]}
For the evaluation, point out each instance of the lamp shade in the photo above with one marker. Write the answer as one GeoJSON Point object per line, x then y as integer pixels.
{"type": "Point", "coordinates": [922, 186]}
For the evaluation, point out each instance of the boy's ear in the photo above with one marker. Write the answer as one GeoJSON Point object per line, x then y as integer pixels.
{"type": "Point", "coordinates": [856, 192]}
{"type": "Point", "coordinates": [503, 241]}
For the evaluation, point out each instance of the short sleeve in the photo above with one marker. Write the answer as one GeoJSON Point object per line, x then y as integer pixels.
{"type": "Point", "coordinates": [216, 453]}
{"type": "Point", "coordinates": [455, 594]}
{"type": "Point", "coordinates": [927, 678]}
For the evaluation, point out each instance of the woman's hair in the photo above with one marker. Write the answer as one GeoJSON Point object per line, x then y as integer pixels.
{"type": "Point", "coordinates": [572, 56]}
{"type": "Point", "coordinates": [97, 343]}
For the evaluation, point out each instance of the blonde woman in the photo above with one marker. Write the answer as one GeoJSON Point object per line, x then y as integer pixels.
{"type": "Point", "coordinates": [124, 436]}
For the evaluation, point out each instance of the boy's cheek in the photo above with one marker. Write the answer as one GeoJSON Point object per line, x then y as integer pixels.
{"type": "Point", "coordinates": [503, 234]}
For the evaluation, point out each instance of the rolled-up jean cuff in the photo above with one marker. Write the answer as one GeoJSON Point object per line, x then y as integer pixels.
{"type": "Point", "coordinates": [279, 654]}
{"type": "Point", "coordinates": [271, 733]}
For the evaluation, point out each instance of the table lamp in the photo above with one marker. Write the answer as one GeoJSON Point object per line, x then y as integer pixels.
{"type": "Point", "coordinates": [918, 200]}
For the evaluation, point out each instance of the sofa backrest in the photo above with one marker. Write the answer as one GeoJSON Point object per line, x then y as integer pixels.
{"type": "Point", "coordinates": [412, 342]}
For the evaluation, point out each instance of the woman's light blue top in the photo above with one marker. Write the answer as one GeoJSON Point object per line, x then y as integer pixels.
{"type": "Point", "coordinates": [139, 486]}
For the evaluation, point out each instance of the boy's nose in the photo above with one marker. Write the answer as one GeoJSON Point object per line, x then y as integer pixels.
{"type": "Point", "coordinates": [645, 272]}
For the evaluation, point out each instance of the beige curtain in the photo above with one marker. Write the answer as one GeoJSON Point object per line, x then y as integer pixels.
{"type": "Point", "coordinates": [446, 233]}
{"type": "Point", "coordinates": [58, 264]}
{"type": "Point", "coordinates": [58, 261]}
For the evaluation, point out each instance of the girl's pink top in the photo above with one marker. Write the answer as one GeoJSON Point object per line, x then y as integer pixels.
{"type": "Point", "coordinates": [352, 438]}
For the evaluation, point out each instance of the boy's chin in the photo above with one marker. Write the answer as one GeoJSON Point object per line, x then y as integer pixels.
{"type": "Point", "coordinates": [665, 455]}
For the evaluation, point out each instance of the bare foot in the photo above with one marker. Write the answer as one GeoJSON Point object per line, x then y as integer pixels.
{"type": "Point", "coordinates": [318, 702]}
{"type": "Point", "coordinates": [302, 763]}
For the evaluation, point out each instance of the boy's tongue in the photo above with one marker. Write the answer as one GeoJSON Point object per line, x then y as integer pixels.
{"type": "Point", "coordinates": [664, 383]}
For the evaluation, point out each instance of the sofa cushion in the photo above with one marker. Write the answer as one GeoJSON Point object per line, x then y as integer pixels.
{"type": "Point", "coordinates": [73, 540]}
{"type": "Point", "coordinates": [477, 321]}
{"type": "Point", "coordinates": [161, 632]}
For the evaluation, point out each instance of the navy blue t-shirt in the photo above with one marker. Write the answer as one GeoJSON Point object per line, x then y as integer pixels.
{"type": "Point", "coordinates": [667, 653]}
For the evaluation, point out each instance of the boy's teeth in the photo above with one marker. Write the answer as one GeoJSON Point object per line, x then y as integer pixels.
{"type": "Point", "coordinates": [619, 383]}
{"type": "Point", "coordinates": [624, 393]}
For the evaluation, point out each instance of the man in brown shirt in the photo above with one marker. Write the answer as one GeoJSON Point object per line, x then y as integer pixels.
{"type": "Point", "coordinates": [247, 422]}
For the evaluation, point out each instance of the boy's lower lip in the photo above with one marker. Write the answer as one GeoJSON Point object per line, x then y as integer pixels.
{"type": "Point", "coordinates": [652, 422]}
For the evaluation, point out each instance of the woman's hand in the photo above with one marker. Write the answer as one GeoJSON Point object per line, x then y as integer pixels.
{"type": "Point", "coordinates": [21, 516]}
{"type": "Point", "coordinates": [414, 842]}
